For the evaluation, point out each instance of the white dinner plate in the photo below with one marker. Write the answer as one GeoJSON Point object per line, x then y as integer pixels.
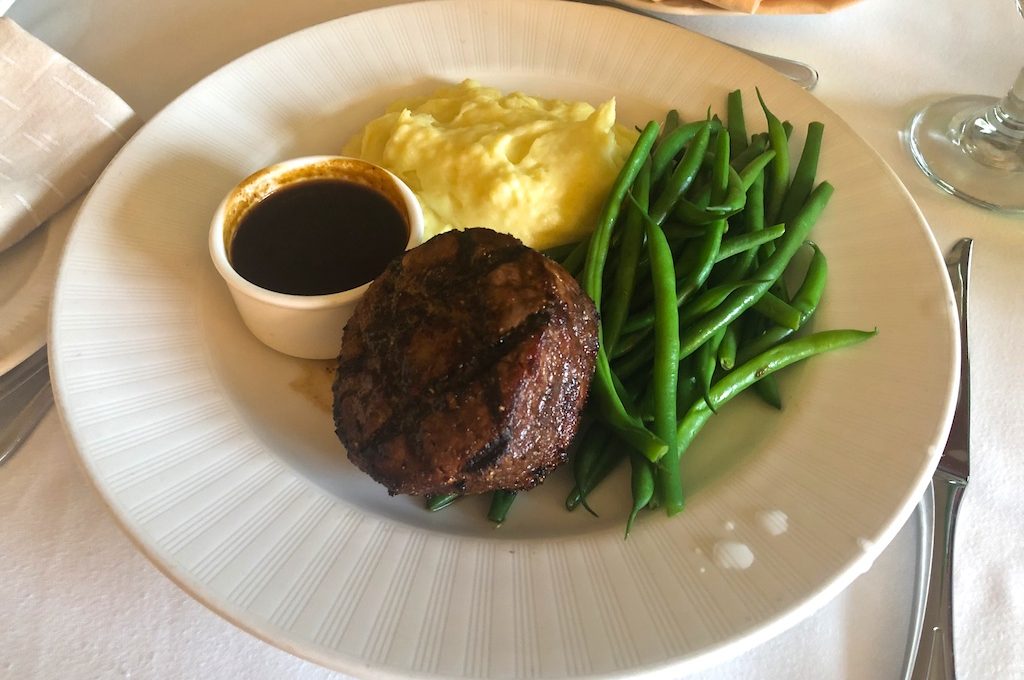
{"type": "Point", "coordinates": [217, 455]}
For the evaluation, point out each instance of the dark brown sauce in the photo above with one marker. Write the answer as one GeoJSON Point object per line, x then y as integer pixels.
{"type": "Point", "coordinates": [318, 237]}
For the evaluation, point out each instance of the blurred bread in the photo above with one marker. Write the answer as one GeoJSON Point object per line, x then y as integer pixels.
{"type": "Point", "coordinates": [753, 6]}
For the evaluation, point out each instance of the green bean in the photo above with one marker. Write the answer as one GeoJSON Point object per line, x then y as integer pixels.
{"type": "Point", "coordinates": [586, 448]}
{"type": "Point", "coordinates": [676, 232]}
{"type": "Point", "coordinates": [706, 257]}
{"type": "Point", "coordinates": [767, 388]}
{"type": "Point", "coordinates": [769, 362]}
{"type": "Point", "coordinates": [629, 427]}
{"type": "Point", "coordinates": [733, 245]}
{"type": "Point", "coordinates": [574, 261]}
{"type": "Point", "coordinates": [671, 122]}
{"type": "Point", "coordinates": [705, 361]}
{"type": "Point", "coordinates": [629, 397]}
{"type": "Point", "coordinates": [689, 256]}
{"type": "Point", "coordinates": [805, 301]}
{"type": "Point", "coordinates": [501, 502]}
{"type": "Point", "coordinates": [710, 243]}
{"type": "Point", "coordinates": [689, 390]}
{"type": "Point", "coordinates": [710, 299]}
{"type": "Point", "coordinates": [632, 340]}
{"type": "Point", "coordinates": [693, 213]}
{"type": "Point", "coordinates": [806, 170]}
{"type": "Point", "coordinates": [629, 254]}
{"type": "Point", "coordinates": [637, 359]}
{"type": "Point", "coordinates": [441, 501]}
{"type": "Point", "coordinates": [763, 342]}
{"type": "Point", "coordinates": [697, 213]}
{"type": "Point", "coordinates": [698, 259]}
{"type": "Point", "coordinates": [608, 458]}
{"type": "Point", "coordinates": [780, 288]}
{"type": "Point", "coordinates": [734, 200]}
{"type": "Point", "coordinates": [671, 144]}
{"type": "Point", "coordinates": [755, 167]}
{"type": "Point", "coordinates": [559, 253]}
{"type": "Point", "coordinates": [758, 145]}
{"type": "Point", "coordinates": [778, 170]}
{"type": "Point", "coordinates": [668, 483]}
{"type": "Point", "coordinates": [666, 335]}
{"type": "Point", "coordinates": [735, 122]}
{"type": "Point", "coordinates": [636, 385]}
{"type": "Point", "coordinates": [808, 295]}
{"type": "Point", "coordinates": [589, 451]}
{"type": "Point", "coordinates": [645, 407]}
{"type": "Point", "coordinates": [721, 172]}
{"type": "Point", "coordinates": [701, 195]}
{"type": "Point", "coordinates": [753, 222]}
{"type": "Point", "coordinates": [728, 347]}
{"type": "Point", "coordinates": [769, 270]}
{"type": "Point", "coordinates": [778, 310]}
{"type": "Point", "coordinates": [642, 486]}
{"type": "Point", "coordinates": [585, 433]}
{"type": "Point", "coordinates": [597, 252]}
{"type": "Point", "coordinates": [723, 180]}
{"type": "Point", "coordinates": [682, 177]}
{"type": "Point", "coordinates": [700, 305]}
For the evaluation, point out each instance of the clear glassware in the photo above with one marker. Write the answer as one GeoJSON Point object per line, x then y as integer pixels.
{"type": "Point", "coordinates": [973, 146]}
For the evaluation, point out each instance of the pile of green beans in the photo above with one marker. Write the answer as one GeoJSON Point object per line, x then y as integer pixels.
{"type": "Point", "coordinates": [687, 263]}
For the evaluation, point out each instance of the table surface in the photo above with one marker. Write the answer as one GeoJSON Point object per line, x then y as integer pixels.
{"type": "Point", "coordinates": [79, 601]}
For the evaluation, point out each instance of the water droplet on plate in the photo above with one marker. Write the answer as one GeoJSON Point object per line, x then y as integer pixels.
{"type": "Point", "coordinates": [774, 522]}
{"type": "Point", "coordinates": [732, 555]}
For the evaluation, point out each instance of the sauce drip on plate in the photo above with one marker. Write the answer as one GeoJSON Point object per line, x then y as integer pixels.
{"type": "Point", "coordinates": [318, 237]}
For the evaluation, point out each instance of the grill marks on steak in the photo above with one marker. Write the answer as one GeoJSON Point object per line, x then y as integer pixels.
{"type": "Point", "coordinates": [465, 367]}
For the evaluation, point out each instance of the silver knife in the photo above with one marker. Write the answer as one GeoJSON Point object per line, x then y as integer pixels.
{"type": "Point", "coordinates": [25, 397]}
{"type": "Point", "coordinates": [935, 655]}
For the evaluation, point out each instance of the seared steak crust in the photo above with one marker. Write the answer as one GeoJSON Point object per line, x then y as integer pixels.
{"type": "Point", "coordinates": [465, 367]}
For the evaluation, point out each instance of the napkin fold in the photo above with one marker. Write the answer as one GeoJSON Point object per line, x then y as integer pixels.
{"type": "Point", "coordinates": [760, 6]}
{"type": "Point", "coordinates": [59, 127]}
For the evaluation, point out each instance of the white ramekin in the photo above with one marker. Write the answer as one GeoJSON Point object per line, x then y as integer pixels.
{"type": "Point", "coordinates": [305, 326]}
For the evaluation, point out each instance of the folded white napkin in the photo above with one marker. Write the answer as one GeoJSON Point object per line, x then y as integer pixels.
{"type": "Point", "coordinates": [59, 127]}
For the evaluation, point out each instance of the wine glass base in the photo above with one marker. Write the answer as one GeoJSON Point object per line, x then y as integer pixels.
{"type": "Point", "coordinates": [935, 140]}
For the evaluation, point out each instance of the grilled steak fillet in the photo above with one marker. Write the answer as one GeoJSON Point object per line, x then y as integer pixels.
{"type": "Point", "coordinates": [465, 367]}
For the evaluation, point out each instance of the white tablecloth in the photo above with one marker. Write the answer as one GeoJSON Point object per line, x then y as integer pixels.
{"type": "Point", "coordinates": [78, 601]}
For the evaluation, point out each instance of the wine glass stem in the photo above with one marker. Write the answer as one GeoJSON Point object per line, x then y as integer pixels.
{"type": "Point", "coordinates": [1012, 105]}
{"type": "Point", "coordinates": [996, 137]}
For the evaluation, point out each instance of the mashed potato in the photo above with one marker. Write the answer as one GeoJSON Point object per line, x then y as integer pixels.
{"type": "Point", "coordinates": [535, 168]}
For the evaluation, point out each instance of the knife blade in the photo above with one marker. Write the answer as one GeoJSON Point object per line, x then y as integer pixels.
{"type": "Point", "coordinates": [935, 652]}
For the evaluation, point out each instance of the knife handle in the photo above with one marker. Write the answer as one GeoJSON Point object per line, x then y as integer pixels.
{"type": "Point", "coordinates": [935, 659]}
